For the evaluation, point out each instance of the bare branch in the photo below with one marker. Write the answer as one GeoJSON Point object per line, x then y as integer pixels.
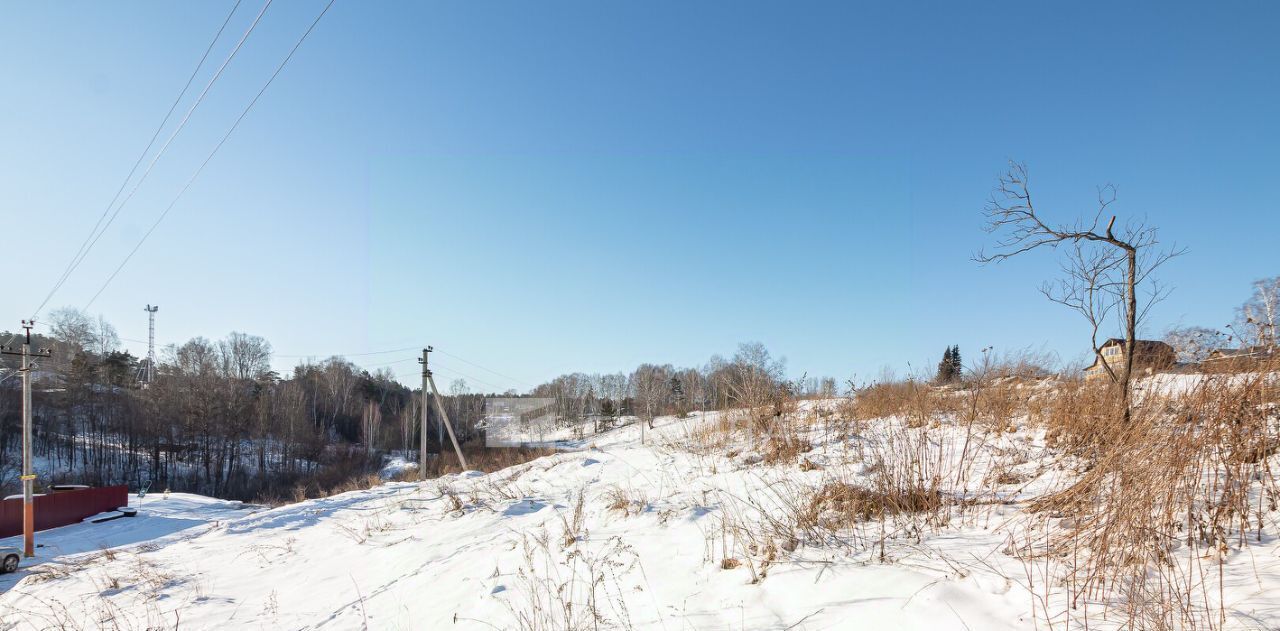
{"type": "Point", "coordinates": [1102, 270]}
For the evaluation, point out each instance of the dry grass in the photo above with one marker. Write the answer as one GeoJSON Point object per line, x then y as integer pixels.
{"type": "Point", "coordinates": [1137, 530]}
{"type": "Point", "coordinates": [1166, 498]}
{"type": "Point", "coordinates": [628, 502]}
{"type": "Point", "coordinates": [785, 449]}
{"type": "Point", "coordinates": [480, 458]}
{"type": "Point", "coordinates": [838, 504]}
{"type": "Point", "coordinates": [487, 459]}
{"type": "Point", "coordinates": [1078, 416]}
{"type": "Point", "coordinates": [913, 400]}
{"type": "Point", "coordinates": [573, 587]}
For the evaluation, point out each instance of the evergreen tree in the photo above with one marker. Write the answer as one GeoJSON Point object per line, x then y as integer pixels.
{"type": "Point", "coordinates": [677, 396]}
{"type": "Point", "coordinates": [946, 367]}
{"type": "Point", "coordinates": [956, 367]}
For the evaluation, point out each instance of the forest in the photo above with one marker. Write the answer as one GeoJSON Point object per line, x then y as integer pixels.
{"type": "Point", "coordinates": [217, 419]}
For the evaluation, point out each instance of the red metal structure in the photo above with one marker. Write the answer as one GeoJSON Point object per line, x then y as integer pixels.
{"type": "Point", "coordinates": [62, 509]}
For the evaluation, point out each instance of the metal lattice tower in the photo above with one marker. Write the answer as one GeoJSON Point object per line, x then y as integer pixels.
{"type": "Point", "coordinates": [151, 343]}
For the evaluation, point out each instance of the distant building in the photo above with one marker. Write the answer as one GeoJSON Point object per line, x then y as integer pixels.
{"type": "Point", "coordinates": [519, 421]}
{"type": "Point", "coordinates": [1149, 356]}
{"type": "Point", "coordinates": [1241, 358]}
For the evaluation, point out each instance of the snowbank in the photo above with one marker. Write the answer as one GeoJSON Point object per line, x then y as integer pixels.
{"type": "Point", "coordinates": [653, 536]}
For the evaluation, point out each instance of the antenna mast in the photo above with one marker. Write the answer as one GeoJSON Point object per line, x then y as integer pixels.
{"type": "Point", "coordinates": [151, 344]}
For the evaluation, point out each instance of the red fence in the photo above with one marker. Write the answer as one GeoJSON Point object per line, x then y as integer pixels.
{"type": "Point", "coordinates": [61, 509]}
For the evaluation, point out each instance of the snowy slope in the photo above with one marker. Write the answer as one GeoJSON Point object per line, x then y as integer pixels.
{"type": "Point", "coordinates": [632, 535]}
{"type": "Point", "coordinates": [160, 519]}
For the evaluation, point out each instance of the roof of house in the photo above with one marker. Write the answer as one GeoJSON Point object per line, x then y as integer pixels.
{"type": "Point", "coordinates": [1141, 345]}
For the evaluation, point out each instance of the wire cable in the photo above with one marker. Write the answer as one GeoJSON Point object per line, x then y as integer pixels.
{"type": "Point", "coordinates": [524, 383]}
{"type": "Point", "coordinates": [95, 235]}
{"type": "Point", "coordinates": [434, 368]}
{"type": "Point", "coordinates": [394, 350]}
{"type": "Point", "coordinates": [199, 169]}
{"type": "Point", "coordinates": [454, 371]}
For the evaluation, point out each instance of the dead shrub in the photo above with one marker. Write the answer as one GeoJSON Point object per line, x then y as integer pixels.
{"type": "Point", "coordinates": [574, 524]}
{"type": "Point", "coordinates": [783, 450]}
{"type": "Point", "coordinates": [618, 499]}
{"type": "Point", "coordinates": [838, 504]}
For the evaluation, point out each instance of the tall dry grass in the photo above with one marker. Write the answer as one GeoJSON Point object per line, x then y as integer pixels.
{"type": "Point", "coordinates": [480, 458]}
{"type": "Point", "coordinates": [1167, 498]}
{"type": "Point", "coordinates": [1135, 527]}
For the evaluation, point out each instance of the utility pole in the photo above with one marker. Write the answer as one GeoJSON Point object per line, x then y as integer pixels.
{"type": "Point", "coordinates": [28, 477]}
{"type": "Point", "coordinates": [151, 343]}
{"type": "Point", "coordinates": [426, 405]}
{"type": "Point", "coordinates": [428, 381]}
{"type": "Point", "coordinates": [447, 425]}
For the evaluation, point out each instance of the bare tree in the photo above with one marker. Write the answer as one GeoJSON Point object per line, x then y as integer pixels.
{"type": "Point", "coordinates": [370, 419]}
{"type": "Point", "coordinates": [245, 356]}
{"type": "Point", "coordinates": [104, 337]}
{"type": "Point", "coordinates": [1194, 343]}
{"type": "Point", "coordinates": [651, 383]}
{"type": "Point", "coordinates": [73, 330]}
{"type": "Point", "coordinates": [1260, 314]}
{"type": "Point", "coordinates": [755, 379]}
{"type": "Point", "coordinates": [1102, 271]}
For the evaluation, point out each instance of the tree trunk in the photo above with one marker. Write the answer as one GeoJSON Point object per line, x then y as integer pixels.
{"type": "Point", "coordinates": [1131, 330]}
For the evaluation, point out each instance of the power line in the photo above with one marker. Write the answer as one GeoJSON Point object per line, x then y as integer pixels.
{"type": "Point", "coordinates": [496, 388]}
{"type": "Point", "coordinates": [73, 262]}
{"type": "Point", "coordinates": [384, 364]}
{"type": "Point", "coordinates": [95, 234]}
{"type": "Point", "coordinates": [212, 153]}
{"type": "Point", "coordinates": [394, 350]}
{"type": "Point", "coordinates": [485, 369]}
{"type": "Point", "coordinates": [455, 371]}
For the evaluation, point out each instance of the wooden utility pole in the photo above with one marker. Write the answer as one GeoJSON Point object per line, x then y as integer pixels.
{"type": "Point", "coordinates": [429, 390]}
{"type": "Point", "coordinates": [426, 407]}
{"type": "Point", "coordinates": [28, 476]}
{"type": "Point", "coordinates": [448, 427]}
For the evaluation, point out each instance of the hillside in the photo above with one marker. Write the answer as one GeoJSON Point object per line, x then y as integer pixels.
{"type": "Point", "coordinates": [695, 528]}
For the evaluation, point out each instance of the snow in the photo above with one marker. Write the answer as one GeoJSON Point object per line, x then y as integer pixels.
{"type": "Point", "coordinates": [640, 529]}
{"type": "Point", "coordinates": [158, 521]}
{"type": "Point", "coordinates": [396, 465]}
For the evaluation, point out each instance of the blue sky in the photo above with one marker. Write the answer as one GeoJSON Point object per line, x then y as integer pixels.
{"type": "Point", "coordinates": [548, 187]}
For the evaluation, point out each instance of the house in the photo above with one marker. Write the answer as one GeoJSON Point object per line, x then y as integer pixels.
{"type": "Point", "coordinates": [1148, 357]}
{"type": "Point", "coordinates": [1241, 358]}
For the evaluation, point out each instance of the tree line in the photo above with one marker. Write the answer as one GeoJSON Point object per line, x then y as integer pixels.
{"type": "Point", "coordinates": [752, 377]}
{"type": "Point", "coordinates": [217, 419]}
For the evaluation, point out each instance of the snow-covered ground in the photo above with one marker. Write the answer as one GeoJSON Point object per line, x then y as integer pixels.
{"type": "Point", "coordinates": [161, 519]}
{"type": "Point", "coordinates": [396, 465]}
{"type": "Point", "coordinates": [660, 535]}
